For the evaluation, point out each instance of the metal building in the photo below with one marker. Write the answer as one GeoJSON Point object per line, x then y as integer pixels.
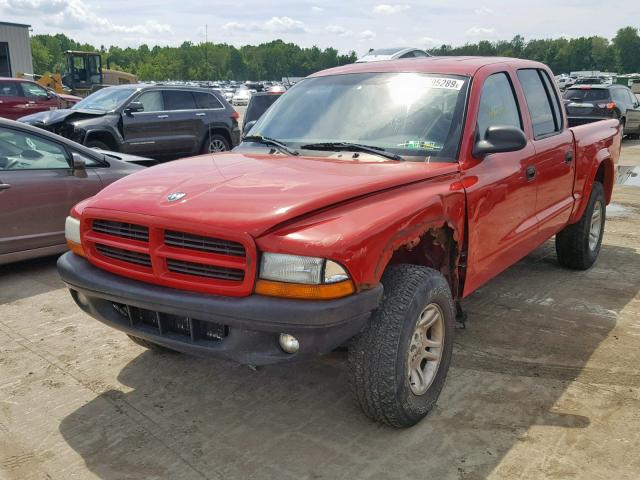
{"type": "Point", "coordinates": [15, 49]}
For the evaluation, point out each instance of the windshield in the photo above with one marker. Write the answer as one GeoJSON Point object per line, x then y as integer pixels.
{"type": "Point", "coordinates": [410, 114]}
{"type": "Point", "coordinates": [105, 100]}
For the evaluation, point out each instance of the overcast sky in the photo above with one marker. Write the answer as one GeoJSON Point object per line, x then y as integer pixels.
{"type": "Point", "coordinates": [342, 24]}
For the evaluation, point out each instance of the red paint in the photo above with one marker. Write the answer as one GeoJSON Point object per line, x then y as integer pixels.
{"type": "Point", "coordinates": [358, 213]}
{"type": "Point", "coordinates": [15, 101]}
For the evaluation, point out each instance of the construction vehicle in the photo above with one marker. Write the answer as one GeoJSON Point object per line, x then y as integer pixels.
{"type": "Point", "coordinates": [83, 75]}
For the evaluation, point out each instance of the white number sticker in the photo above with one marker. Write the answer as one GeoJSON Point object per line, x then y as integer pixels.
{"type": "Point", "coordinates": [449, 83]}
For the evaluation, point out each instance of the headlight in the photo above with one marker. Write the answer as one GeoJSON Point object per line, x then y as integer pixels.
{"type": "Point", "coordinates": [72, 234]}
{"type": "Point", "coordinates": [72, 229]}
{"type": "Point", "coordinates": [296, 276]}
{"type": "Point", "coordinates": [299, 269]}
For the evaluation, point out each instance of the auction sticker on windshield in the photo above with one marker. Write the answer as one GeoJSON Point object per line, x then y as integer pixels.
{"type": "Point", "coordinates": [449, 83]}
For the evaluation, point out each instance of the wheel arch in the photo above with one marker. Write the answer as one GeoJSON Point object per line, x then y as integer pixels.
{"type": "Point", "coordinates": [104, 137]}
{"type": "Point", "coordinates": [217, 130]}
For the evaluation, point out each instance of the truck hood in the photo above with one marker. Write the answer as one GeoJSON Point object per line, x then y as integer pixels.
{"type": "Point", "coordinates": [252, 193]}
{"type": "Point", "coordinates": [51, 117]}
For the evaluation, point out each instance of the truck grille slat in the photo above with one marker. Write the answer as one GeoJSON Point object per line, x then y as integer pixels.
{"type": "Point", "coordinates": [204, 244]}
{"type": "Point", "coordinates": [122, 230]}
{"type": "Point", "coordinates": [201, 270]}
{"type": "Point", "coordinates": [124, 255]}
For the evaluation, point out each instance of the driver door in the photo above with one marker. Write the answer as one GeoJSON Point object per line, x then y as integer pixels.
{"type": "Point", "coordinates": [37, 190]}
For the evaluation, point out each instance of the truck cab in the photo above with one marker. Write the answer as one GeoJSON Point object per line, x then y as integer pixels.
{"type": "Point", "coordinates": [360, 210]}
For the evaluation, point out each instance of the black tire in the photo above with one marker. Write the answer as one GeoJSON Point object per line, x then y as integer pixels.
{"type": "Point", "coordinates": [572, 243]}
{"type": "Point", "coordinates": [98, 144]}
{"type": "Point", "coordinates": [379, 356]}
{"type": "Point", "coordinates": [150, 345]}
{"type": "Point", "coordinates": [217, 139]}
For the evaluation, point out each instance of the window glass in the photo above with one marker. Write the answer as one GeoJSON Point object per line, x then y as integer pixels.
{"type": "Point", "coordinates": [33, 91]}
{"type": "Point", "coordinates": [579, 94]}
{"type": "Point", "coordinates": [632, 97]}
{"type": "Point", "coordinates": [206, 100]}
{"type": "Point", "coordinates": [105, 100]}
{"type": "Point", "coordinates": [619, 96]}
{"type": "Point", "coordinates": [498, 105]}
{"type": "Point", "coordinates": [25, 151]}
{"type": "Point", "coordinates": [179, 100]}
{"type": "Point", "coordinates": [555, 103]}
{"type": "Point", "coordinates": [419, 53]}
{"type": "Point", "coordinates": [9, 89]}
{"type": "Point", "coordinates": [408, 55]}
{"type": "Point", "coordinates": [88, 161]}
{"type": "Point", "coordinates": [538, 102]}
{"type": "Point", "coordinates": [152, 101]}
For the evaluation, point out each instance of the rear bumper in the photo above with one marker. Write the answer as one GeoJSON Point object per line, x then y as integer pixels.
{"type": "Point", "coordinates": [251, 325]}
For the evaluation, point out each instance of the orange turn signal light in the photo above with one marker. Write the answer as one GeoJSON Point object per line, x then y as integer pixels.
{"type": "Point", "coordinates": [327, 291]}
{"type": "Point", "coordinates": [75, 248]}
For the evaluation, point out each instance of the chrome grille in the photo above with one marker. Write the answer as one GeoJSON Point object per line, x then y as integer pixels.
{"type": "Point", "coordinates": [122, 230]}
{"type": "Point", "coordinates": [203, 244]}
{"type": "Point", "coordinates": [124, 255]}
{"type": "Point", "coordinates": [202, 270]}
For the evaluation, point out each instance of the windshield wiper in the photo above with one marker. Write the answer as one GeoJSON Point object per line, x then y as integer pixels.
{"type": "Point", "coordinates": [353, 147]}
{"type": "Point", "coordinates": [271, 141]}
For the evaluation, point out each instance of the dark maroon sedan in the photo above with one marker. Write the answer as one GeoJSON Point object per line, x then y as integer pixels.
{"type": "Point", "coordinates": [42, 176]}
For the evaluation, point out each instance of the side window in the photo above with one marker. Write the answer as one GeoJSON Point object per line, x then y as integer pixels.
{"type": "Point", "coordinates": [206, 100]}
{"type": "Point", "coordinates": [619, 96]}
{"type": "Point", "coordinates": [632, 97]}
{"type": "Point", "coordinates": [31, 90]}
{"type": "Point", "coordinates": [9, 89]}
{"type": "Point", "coordinates": [555, 103]}
{"type": "Point", "coordinates": [25, 151]}
{"type": "Point", "coordinates": [538, 101]}
{"type": "Point", "coordinates": [152, 101]}
{"type": "Point", "coordinates": [179, 100]}
{"type": "Point", "coordinates": [498, 104]}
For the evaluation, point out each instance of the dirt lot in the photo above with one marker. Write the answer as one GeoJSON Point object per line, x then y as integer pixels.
{"type": "Point", "coordinates": [545, 383]}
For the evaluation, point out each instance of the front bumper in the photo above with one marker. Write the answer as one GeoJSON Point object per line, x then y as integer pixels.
{"type": "Point", "coordinates": [249, 327]}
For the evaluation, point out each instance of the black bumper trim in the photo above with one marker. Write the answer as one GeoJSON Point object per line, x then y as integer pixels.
{"type": "Point", "coordinates": [254, 322]}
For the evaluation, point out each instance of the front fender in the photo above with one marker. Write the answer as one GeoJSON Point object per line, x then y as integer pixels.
{"type": "Point", "coordinates": [363, 234]}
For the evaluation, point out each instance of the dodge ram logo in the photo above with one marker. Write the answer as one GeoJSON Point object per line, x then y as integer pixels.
{"type": "Point", "coordinates": [175, 196]}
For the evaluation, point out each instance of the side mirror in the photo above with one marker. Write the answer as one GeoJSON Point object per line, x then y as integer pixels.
{"type": "Point", "coordinates": [134, 107]}
{"type": "Point", "coordinates": [499, 139]}
{"type": "Point", "coordinates": [246, 128]}
{"type": "Point", "coordinates": [79, 166]}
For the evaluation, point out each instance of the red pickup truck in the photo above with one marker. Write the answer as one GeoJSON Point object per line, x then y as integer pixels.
{"type": "Point", "coordinates": [364, 205]}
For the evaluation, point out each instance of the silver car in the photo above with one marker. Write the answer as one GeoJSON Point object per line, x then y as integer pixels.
{"type": "Point", "coordinates": [42, 175]}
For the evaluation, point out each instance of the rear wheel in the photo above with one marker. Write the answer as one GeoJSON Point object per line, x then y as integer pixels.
{"type": "Point", "coordinates": [150, 345]}
{"type": "Point", "coordinates": [578, 245]}
{"type": "Point", "coordinates": [399, 363]}
{"type": "Point", "coordinates": [215, 143]}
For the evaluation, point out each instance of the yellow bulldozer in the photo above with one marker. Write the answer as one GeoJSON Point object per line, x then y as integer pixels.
{"type": "Point", "coordinates": [83, 74]}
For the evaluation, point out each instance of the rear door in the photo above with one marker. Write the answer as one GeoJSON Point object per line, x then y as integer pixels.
{"type": "Point", "coordinates": [554, 161]}
{"type": "Point", "coordinates": [37, 190]}
{"type": "Point", "coordinates": [13, 104]}
{"type": "Point", "coordinates": [186, 126]}
{"type": "Point", "coordinates": [37, 98]}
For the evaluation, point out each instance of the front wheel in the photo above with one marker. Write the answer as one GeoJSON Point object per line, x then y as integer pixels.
{"type": "Point", "coordinates": [215, 143]}
{"type": "Point", "coordinates": [578, 245]}
{"type": "Point", "coordinates": [399, 363]}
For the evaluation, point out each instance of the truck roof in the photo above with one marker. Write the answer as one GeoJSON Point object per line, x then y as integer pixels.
{"type": "Point", "coordinates": [444, 65]}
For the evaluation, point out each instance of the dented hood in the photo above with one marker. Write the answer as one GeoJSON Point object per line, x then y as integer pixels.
{"type": "Point", "coordinates": [51, 117]}
{"type": "Point", "coordinates": [252, 193]}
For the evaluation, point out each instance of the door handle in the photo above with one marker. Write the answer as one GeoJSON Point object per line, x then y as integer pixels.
{"type": "Point", "coordinates": [568, 157]}
{"type": "Point", "coordinates": [531, 173]}
{"type": "Point", "coordinates": [5, 186]}
{"type": "Point", "coordinates": [201, 114]}
{"type": "Point", "coordinates": [163, 116]}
